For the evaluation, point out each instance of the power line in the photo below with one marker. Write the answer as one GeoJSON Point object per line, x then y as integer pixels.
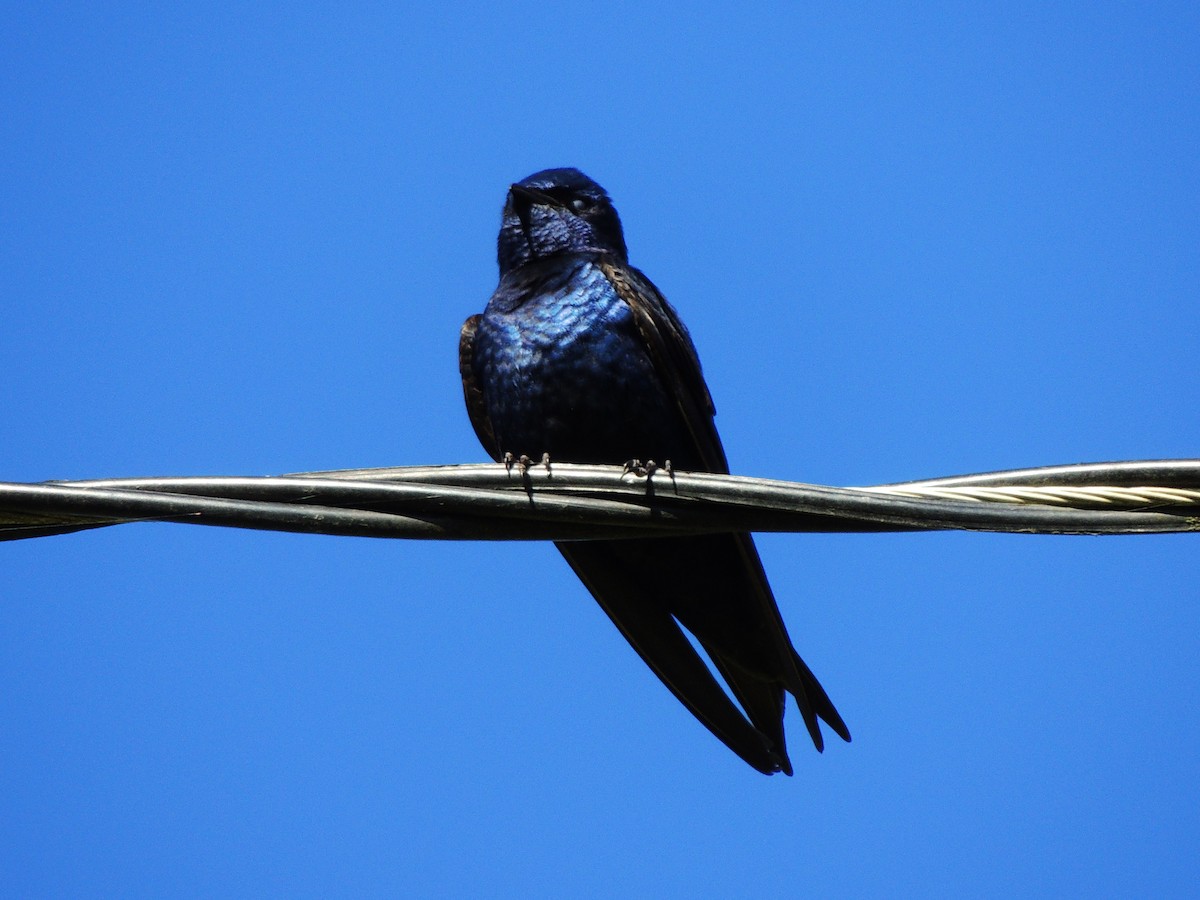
{"type": "Point", "coordinates": [575, 502]}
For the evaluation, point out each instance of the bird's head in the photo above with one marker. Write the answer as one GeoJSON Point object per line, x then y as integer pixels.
{"type": "Point", "coordinates": [557, 211]}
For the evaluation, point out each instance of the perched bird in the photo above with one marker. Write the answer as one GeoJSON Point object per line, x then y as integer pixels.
{"type": "Point", "coordinates": [578, 356]}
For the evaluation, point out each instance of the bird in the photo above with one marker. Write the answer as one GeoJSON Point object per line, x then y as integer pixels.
{"type": "Point", "coordinates": [577, 357]}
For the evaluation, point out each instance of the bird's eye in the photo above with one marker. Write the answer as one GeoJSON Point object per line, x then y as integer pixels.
{"type": "Point", "coordinates": [579, 204]}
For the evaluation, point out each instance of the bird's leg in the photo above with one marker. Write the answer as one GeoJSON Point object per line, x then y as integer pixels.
{"type": "Point", "coordinates": [635, 467]}
{"type": "Point", "coordinates": [523, 461]}
{"type": "Point", "coordinates": [649, 470]}
{"type": "Point", "coordinates": [509, 460]}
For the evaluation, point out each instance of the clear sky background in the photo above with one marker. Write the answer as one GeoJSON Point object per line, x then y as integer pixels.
{"type": "Point", "coordinates": [907, 244]}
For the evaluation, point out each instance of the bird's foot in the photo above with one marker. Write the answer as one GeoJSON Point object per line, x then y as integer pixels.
{"type": "Point", "coordinates": [523, 462]}
{"type": "Point", "coordinates": [635, 467]}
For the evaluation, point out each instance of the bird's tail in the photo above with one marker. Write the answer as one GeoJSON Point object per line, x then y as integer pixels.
{"type": "Point", "coordinates": [815, 704]}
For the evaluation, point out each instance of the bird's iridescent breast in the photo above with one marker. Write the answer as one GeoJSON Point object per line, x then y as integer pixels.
{"type": "Point", "coordinates": [565, 372]}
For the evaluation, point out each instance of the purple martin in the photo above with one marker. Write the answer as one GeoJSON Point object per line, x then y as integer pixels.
{"type": "Point", "coordinates": [579, 356]}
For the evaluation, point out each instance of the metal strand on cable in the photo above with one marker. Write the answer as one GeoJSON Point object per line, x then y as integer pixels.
{"type": "Point", "coordinates": [576, 502]}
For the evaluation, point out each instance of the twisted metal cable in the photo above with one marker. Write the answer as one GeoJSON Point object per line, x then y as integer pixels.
{"type": "Point", "coordinates": [576, 502]}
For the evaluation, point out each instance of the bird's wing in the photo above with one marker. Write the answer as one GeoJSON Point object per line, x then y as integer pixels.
{"type": "Point", "coordinates": [648, 626]}
{"type": "Point", "coordinates": [677, 364]}
{"type": "Point", "coordinates": [472, 390]}
{"type": "Point", "coordinates": [653, 632]}
{"type": "Point", "coordinates": [674, 357]}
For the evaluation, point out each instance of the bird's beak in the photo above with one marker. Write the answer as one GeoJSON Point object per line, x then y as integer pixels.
{"type": "Point", "coordinates": [522, 200]}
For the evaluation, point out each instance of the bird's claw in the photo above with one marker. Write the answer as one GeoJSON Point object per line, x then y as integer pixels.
{"type": "Point", "coordinates": [510, 460]}
{"type": "Point", "coordinates": [523, 461]}
{"type": "Point", "coordinates": [635, 467]}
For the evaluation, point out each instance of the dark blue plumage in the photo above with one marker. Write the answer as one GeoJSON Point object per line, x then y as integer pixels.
{"type": "Point", "coordinates": [579, 356]}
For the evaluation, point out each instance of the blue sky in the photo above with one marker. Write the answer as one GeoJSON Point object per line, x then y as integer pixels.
{"type": "Point", "coordinates": [907, 244]}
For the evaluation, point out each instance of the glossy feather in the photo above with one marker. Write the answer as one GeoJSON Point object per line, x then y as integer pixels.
{"type": "Point", "coordinates": [578, 355]}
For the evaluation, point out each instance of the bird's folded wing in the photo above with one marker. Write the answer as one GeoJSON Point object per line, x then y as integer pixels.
{"type": "Point", "coordinates": [653, 632]}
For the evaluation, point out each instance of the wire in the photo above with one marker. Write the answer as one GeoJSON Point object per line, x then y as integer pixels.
{"type": "Point", "coordinates": [574, 502]}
